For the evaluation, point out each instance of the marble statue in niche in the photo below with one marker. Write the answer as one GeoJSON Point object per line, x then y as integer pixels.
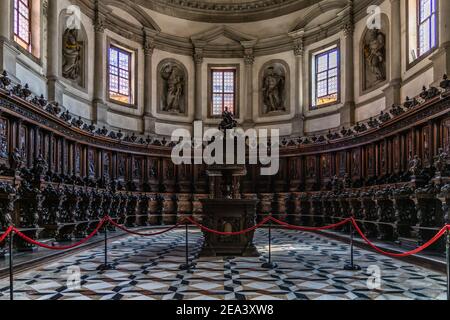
{"type": "Point", "coordinates": [72, 56]}
{"type": "Point", "coordinates": [172, 88]}
{"type": "Point", "coordinates": [3, 138]}
{"type": "Point", "coordinates": [374, 54]}
{"type": "Point", "coordinates": [274, 88]}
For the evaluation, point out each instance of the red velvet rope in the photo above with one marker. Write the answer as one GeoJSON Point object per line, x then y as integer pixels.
{"type": "Point", "coordinates": [300, 228]}
{"type": "Point", "coordinates": [43, 245]}
{"type": "Point", "coordinates": [144, 234]}
{"type": "Point", "coordinates": [405, 254]}
{"type": "Point", "coordinates": [237, 233]}
{"type": "Point", "coordinates": [270, 218]}
{"type": "Point", "coordinates": [7, 232]}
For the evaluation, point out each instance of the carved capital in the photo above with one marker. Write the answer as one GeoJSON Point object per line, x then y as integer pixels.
{"type": "Point", "coordinates": [99, 24]}
{"type": "Point", "coordinates": [299, 48]}
{"type": "Point", "coordinates": [198, 55]}
{"type": "Point", "coordinates": [348, 29]}
{"type": "Point", "coordinates": [249, 57]}
{"type": "Point", "coordinates": [149, 47]}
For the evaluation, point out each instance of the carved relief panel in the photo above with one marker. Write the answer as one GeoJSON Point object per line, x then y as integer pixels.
{"type": "Point", "coordinates": [91, 163]}
{"type": "Point", "coordinates": [397, 154]}
{"type": "Point", "coordinates": [446, 142]}
{"type": "Point", "coordinates": [107, 164]}
{"type": "Point", "coordinates": [342, 163]}
{"type": "Point", "coordinates": [356, 163]}
{"type": "Point", "coordinates": [371, 161]}
{"type": "Point", "coordinates": [54, 152]}
{"type": "Point", "coordinates": [77, 156]}
{"type": "Point", "coordinates": [4, 144]}
{"type": "Point", "coordinates": [137, 168]}
{"type": "Point", "coordinates": [23, 143]}
{"type": "Point", "coordinates": [121, 166]}
{"type": "Point", "coordinates": [326, 168]}
{"type": "Point", "coordinates": [383, 158]}
{"type": "Point", "coordinates": [153, 169]}
{"type": "Point", "coordinates": [426, 152]}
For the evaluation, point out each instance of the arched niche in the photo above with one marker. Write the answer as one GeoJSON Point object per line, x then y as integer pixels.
{"type": "Point", "coordinates": [172, 93]}
{"type": "Point", "coordinates": [374, 56]}
{"type": "Point", "coordinates": [274, 88]}
{"type": "Point", "coordinates": [73, 47]}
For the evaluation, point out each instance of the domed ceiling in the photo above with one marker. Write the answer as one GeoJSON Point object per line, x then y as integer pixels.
{"type": "Point", "coordinates": [222, 11]}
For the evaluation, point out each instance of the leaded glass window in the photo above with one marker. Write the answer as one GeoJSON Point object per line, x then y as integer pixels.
{"type": "Point", "coordinates": [326, 78]}
{"type": "Point", "coordinates": [22, 32]}
{"type": "Point", "coordinates": [120, 75]}
{"type": "Point", "coordinates": [223, 91]}
{"type": "Point", "coordinates": [427, 26]}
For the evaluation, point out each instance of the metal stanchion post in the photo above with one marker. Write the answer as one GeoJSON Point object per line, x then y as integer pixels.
{"type": "Point", "coordinates": [352, 266]}
{"type": "Point", "coordinates": [187, 265]}
{"type": "Point", "coordinates": [11, 267]}
{"type": "Point", "coordinates": [269, 264]}
{"type": "Point", "coordinates": [106, 266]}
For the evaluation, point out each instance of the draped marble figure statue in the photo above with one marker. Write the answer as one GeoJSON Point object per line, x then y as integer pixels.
{"type": "Point", "coordinates": [173, 89]}
{"type": "Point", "coordinates": [375, 54]}
{"type": "Point", "coordinates": [273, 90]}
{"type": "Point", "coordinates": [71, 68]}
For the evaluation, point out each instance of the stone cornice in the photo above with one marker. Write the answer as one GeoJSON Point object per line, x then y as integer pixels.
{"type": "Point", "coordinates": [264, 46]}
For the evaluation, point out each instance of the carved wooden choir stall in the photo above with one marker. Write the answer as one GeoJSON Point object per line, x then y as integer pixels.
{"type": "Point", "coordinates": [59, 175]}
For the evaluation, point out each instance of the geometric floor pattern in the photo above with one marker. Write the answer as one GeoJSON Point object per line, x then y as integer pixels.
{"type": "Point", "coordinates": [310, 267]}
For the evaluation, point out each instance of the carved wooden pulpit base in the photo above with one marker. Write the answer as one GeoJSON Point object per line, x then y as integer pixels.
{"type": "Point", "coordinates": [229, 216]}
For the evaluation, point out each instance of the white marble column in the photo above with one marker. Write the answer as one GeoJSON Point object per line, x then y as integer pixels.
{"type": "Point", "coordinates": [392, 93]}
{"type": "Point", "coordinates": [198, 60]}
{"type": "Point", "coordinates": [99, 112]}
{"type": "Point", "coordinates": [149, 120]}
{"type": "Point", "coordinates": [53, 86]}
{"type": "Point", "coordinates": [298, 123]}
{"type": "Point", "coordinates": [441, 60]}
{"type": "Point", "coordinates": [249, 60]}
{"type": "Point", "coordinates": [348, 109]}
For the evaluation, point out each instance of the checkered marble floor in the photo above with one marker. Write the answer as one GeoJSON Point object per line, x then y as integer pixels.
{"type": "Point", "coordinates": [310, 267]}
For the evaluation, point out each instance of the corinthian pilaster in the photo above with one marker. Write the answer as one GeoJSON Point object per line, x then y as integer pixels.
{"type": "Point", "coordinates": [298, 123]}
{"type": "Point", "coordinates": [198, 60]}
{"type": "Point", "coordinates": [54, 87]}
{"type": "Point", "coordinates": [249, 60]}
{"type": "Point", "coordinates": [99, 113]}
{"type": "Point", "coordinates": [348, 109]}
{"type": "Point", "coordinates": [148, 46]}
{"type": "Point", "coordinates": [392, 93]}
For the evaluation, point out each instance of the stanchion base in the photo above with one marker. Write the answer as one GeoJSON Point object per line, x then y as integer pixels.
{"type": "Point", "coordinates": [105, 267]}
{"type": "Point", "coordinates": [188, 267]}
{"type": "Point", "coordinates": [352, 267]}
{"type": "Point", "coordinates": [269, 265]}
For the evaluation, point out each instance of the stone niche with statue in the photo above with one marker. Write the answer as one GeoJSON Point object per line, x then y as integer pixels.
{"type": "Point", "coordinates": [225, 210]}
